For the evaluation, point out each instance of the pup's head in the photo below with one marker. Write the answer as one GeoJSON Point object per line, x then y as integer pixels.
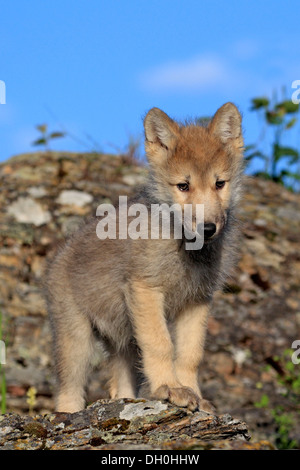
{"type": "Point", "coordinates": [194, 165]}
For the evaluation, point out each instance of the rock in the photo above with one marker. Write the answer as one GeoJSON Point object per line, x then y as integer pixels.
{"type": "Point", "coordinates": [37, 191]}
{"type": "Point", "coordinates": [133, 410]}
{"type": "Point", "coordinates": [27, 211]}
{"type": "Point", "coordinates": [125, 424]}
{"type": "Point", "coordinates": [133, 180]}
{"type": "Point", "coordinates": [74, 198]}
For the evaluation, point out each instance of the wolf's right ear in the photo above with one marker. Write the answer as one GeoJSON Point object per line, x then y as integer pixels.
{"type": "Point", "coordinates": [161, 134]}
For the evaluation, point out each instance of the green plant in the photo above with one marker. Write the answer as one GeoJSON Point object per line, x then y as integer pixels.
{"type": "Point", "coordinates": [280, 164]}
{"type": "Point", "coordinates": [290, 377]}
{"type": "Point", "coordinates": [284, 425]}
{"type": "Point", "coordinates": [2, 376]}
{"type": "Point", "coordinates": [284, 416]}
{"type": "Point", "coordinates": [45, 137]}
{"type": "Point", "coordinates": [263, 403]}
{"type": "Point", "coordinates": [31, 398]}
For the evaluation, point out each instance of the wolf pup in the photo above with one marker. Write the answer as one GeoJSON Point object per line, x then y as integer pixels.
{"type": "Point", "coordinates": [148, 299]}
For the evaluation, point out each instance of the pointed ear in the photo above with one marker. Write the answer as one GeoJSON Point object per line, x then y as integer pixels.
{"type": "Point", "coordinates": [226, 124]}
{"type": "Point", "coordinates": [161, 134]}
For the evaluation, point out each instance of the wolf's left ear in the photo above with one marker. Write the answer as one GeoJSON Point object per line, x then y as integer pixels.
{"type": "Point", "coordinates": [227, 125]}
{"type": "Point", "coordinates": [161, 134]}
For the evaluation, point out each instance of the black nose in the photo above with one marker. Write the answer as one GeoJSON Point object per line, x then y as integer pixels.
{"type": "Point", "coordinates": [209, 230]}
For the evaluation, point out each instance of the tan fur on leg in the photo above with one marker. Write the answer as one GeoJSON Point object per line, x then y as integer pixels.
{"type": "Point", "coordinates": [153, 336]}
{"type": "Point", "coordinates": [190, 338]}
{"type": "Point", "coordinates": [122, 383]}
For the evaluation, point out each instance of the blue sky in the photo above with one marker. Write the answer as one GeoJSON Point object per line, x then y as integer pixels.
{"type": "Point", "coordinates": [95, 67]}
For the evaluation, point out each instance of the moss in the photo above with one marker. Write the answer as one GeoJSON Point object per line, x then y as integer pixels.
{"type": "Point", "coordinates": [115, 424]}
{"type": "Point", "coordinates": [35, 429]}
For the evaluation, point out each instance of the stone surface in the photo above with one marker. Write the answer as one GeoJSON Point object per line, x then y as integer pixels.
{"type": "Point", "coordinates": [27, 211]}
{"type": "Point", "coordinates": [126, 425]}
{"type": "Point", "coordinates": [73, 197]}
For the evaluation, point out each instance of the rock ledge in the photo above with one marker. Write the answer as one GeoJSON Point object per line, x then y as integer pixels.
{"type": "Point", "coordinates": [125, 425]}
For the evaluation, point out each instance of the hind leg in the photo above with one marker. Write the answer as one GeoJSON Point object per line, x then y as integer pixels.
{"type": "Point", "coordinates": [123, 379]}
{"type": "Point", "coordinates": [74, 348]}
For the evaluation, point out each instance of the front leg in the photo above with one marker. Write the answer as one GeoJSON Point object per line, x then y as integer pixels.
{"type": "Point", "coordinates": [191, 325]}
{"type": "Point", "coordinates": [153, 337]}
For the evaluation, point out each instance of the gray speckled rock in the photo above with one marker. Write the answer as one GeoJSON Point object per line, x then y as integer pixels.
{"type": "Point", "coordinates": [124, 424]}
{"type": "Point", "coordinates": [74, 197]}
{"type": "Point", "coordinates": [27, 211]}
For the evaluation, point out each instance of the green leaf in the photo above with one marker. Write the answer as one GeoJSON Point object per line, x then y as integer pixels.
{"type": "Point", "coordinates": [290, 366]}
{"type": "Point", "coordinates": [274, 118]}
{"type": "Point", "coordinates": [55, 135]}
{"type": "Point", "coordinates": [41, 141]}
{"type": "Point", "coordinates": [291, 123]}
{"type": "Point", "coordinates": [42, 128]}
{"type": "Point", "coordinates": [263, 174]}
{"type": "Point", "coordinates": [290, 174]}
{"type": "Point", "coordinates": [280, 152]}
{"type": "Point", "coordinates": [258, 103]}
{"type": "Point", "coordinates": [288, 106]}
{"type": "Point", "coordinates": [256, 154]}
{"type": "Point", "coordinates": [263, 403]}
{"type": "Point", "coordinates": [249, 147]}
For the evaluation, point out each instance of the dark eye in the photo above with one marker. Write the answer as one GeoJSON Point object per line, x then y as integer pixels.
{"type": "Point", "coordinates": [220, 184]}
{"type": "Point", "coordinates": [183, 186]}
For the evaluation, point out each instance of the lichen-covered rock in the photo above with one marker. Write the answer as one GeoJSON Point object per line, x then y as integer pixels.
{"type": "Point", "coordinates": [125, 424]}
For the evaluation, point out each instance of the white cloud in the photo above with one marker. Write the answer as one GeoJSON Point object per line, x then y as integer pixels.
{"type": "Point", "coordinates": [243, 69]}
{"type": "Point", "coordinates": [198, 73]}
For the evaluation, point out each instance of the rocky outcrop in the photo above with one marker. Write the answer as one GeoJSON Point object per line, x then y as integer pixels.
{"type": "Point", "coordinates": [126, 425]}
{"type": "Point", "coordinates": [247, 365]}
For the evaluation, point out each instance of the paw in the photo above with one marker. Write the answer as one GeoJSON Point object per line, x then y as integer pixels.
{"type": "Point", "coordinates": [180, 396]}
{"type": "Point", "coordinates": [207, 406]}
